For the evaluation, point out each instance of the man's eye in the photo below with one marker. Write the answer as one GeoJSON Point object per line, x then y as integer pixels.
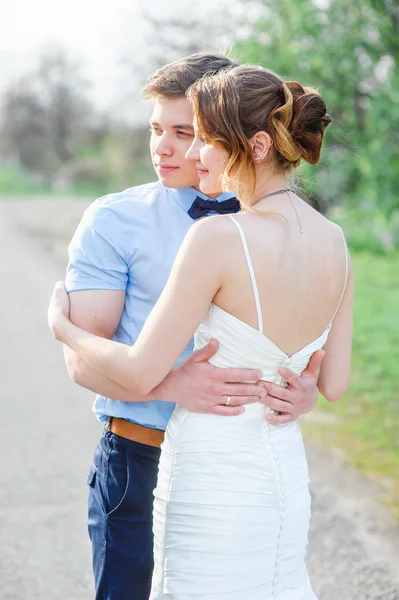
{"type": "Point", "coordinates": [155, 130]}
{"type": "Point", "coordinates": [184, 134]}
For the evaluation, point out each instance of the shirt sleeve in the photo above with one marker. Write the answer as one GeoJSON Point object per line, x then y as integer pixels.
{"type": "Point", "coordinates": [97, 252]}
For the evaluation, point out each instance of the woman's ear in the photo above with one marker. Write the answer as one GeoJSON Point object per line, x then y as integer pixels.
{"type": "Point", "coordinates": [260, 143]}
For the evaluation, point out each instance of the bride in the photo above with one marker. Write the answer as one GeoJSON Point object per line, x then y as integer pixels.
{"type": "Point", "coordinates": [272, 284]}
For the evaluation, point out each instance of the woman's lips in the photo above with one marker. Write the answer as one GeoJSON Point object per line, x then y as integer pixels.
{"type": "Point", "coordinates": [202, 172]}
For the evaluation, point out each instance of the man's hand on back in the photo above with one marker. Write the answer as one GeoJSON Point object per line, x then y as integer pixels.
{"type": "Point", "coordinates": [203, 388]}
{"type": "Point", "coordinates": [299, 397]}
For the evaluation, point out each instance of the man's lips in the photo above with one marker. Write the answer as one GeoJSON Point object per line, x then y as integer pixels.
{"type": "Point", "coordinates": [166, 168]}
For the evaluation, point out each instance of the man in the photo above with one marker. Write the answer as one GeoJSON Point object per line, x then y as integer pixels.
{"type": "Point", "coordinates": [120, 259]}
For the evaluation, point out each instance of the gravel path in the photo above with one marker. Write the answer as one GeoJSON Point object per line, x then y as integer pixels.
{"type": "Point", "coordinates": [49, 434]}
{"type": "Point", "coordinates": [354, 544]}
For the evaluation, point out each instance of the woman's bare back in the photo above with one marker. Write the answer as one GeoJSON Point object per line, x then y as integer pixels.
{"type": "Point", "coordinates": [300, 276]}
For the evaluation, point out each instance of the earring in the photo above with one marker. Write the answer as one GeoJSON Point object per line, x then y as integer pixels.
{"type": "Point", "coordinates": [257, 158]}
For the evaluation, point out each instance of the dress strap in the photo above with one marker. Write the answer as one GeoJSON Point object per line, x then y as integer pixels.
{"type": "Point", "coordinates": [251, 272]}
{"type": "Point", "coordinates": [346, 273]}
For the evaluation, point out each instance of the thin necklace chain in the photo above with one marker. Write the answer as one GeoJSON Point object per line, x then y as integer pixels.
{"type": "Point", "coordinates": [295, 211]}
{"type": "Point", "coordinates": [287, 191]}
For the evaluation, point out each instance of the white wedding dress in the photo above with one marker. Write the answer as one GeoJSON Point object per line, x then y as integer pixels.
{"type": "Point", "coordinates": [232, 504]}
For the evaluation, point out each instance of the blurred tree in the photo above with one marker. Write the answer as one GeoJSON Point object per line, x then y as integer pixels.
{"type": "Point", "coordinates": [46, 115]}
{"type": "Point", "coordinates": [62, 90]}
{"type": "Point", "coordinates": [49, 129]}
{"type": "Point", "coordinates": [24, 134]}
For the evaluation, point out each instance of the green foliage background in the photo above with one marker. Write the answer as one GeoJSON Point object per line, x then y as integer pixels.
{"type": "Point", "coordinates": [364, 423]}
{"type": "Point", "coordinates": [348, 51]}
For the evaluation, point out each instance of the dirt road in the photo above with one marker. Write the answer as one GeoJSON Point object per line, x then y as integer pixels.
{"type": "Point", "coordinates": [49, 433]}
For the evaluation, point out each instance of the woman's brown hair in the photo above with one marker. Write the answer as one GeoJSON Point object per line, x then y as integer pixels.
{"type": "Point", "coordinates": [233, 105]}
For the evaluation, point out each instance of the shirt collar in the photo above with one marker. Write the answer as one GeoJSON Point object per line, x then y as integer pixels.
{"type": "Point", "coordinates": [186, 196]}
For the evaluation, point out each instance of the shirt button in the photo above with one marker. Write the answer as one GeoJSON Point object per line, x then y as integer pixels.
{"type": "Point", "coordinates": [288, 361]}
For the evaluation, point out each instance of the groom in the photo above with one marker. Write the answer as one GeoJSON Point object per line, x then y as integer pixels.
{"type": "Point", "coordinates": [119, 261]}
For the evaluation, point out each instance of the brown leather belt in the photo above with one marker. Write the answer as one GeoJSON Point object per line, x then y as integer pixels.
{"type": "Point", "coordinates": [136, 433]}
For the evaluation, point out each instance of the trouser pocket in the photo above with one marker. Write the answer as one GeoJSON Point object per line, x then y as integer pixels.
{"type": "Point", "coordinates": [117, 480]}
{"type": "Point", "coordinates": [109, 476]}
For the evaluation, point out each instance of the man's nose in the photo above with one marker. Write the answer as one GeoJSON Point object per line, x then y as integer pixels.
{"type": "Point", "coordinates": [163, 146]}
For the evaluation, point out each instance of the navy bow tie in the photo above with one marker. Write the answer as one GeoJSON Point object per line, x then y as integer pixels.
{"type": "Point", "coordinates": [202, 206]}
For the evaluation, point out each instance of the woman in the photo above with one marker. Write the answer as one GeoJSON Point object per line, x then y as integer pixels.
{"type": "Point", "coordinates": [272, 284]}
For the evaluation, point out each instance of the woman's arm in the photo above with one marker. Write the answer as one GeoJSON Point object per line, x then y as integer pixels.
{"type": "Point", "coordinates": [335, 370]}
{"type": "Point", "coordinates": [196, 277]}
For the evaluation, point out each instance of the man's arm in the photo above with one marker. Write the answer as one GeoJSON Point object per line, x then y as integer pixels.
{"type": "Point", "coordinates": [99, 312]}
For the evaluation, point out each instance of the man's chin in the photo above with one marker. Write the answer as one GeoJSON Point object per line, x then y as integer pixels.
{"type": "Point", "coordinates": [173, 181]}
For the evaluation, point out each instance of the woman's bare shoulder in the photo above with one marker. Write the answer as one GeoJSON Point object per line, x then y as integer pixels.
{"type": "Point", "coordinates": [322, 222]}
{"type": "Point", "coordinates": [217, 227]}
{"type": "Point", "coordinates": [211, 238]}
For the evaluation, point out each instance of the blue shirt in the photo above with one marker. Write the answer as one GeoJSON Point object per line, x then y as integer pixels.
{"type": "Point", "coordinates": [128, 241]}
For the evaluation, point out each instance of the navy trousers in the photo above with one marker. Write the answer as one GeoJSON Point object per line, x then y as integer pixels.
{"type": "Point", "coordinates": [121, 482]}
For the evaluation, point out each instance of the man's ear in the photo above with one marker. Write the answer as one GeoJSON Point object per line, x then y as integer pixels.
{"type": "Point", "coordinates": [260, 143]}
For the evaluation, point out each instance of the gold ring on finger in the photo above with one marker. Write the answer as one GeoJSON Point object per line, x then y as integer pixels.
{"type": "Point", "coordinates": [228, 400]}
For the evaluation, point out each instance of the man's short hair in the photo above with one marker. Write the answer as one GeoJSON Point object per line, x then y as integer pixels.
{"type": "Point", "coordinates": [175, 78]}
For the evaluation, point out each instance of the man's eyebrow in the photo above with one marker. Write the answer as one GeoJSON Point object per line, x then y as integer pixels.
{"type": "Point", "coordinates": [182, 126]}
{"type": "Point", "coordinates": [185, 126]}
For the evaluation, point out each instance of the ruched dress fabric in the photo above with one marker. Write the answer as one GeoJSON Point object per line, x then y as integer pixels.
{"type": "Point", "coordinates": [232, 504]}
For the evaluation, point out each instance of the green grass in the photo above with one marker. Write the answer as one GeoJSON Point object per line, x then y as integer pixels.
{"type": "Point", "coordinates": [365, 423]}
{"type": "Point", "coordinates": [15, 181]}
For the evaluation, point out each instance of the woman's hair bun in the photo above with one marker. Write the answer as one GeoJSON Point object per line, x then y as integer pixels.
{"type": "Point", "coordinates": [309, 120]}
